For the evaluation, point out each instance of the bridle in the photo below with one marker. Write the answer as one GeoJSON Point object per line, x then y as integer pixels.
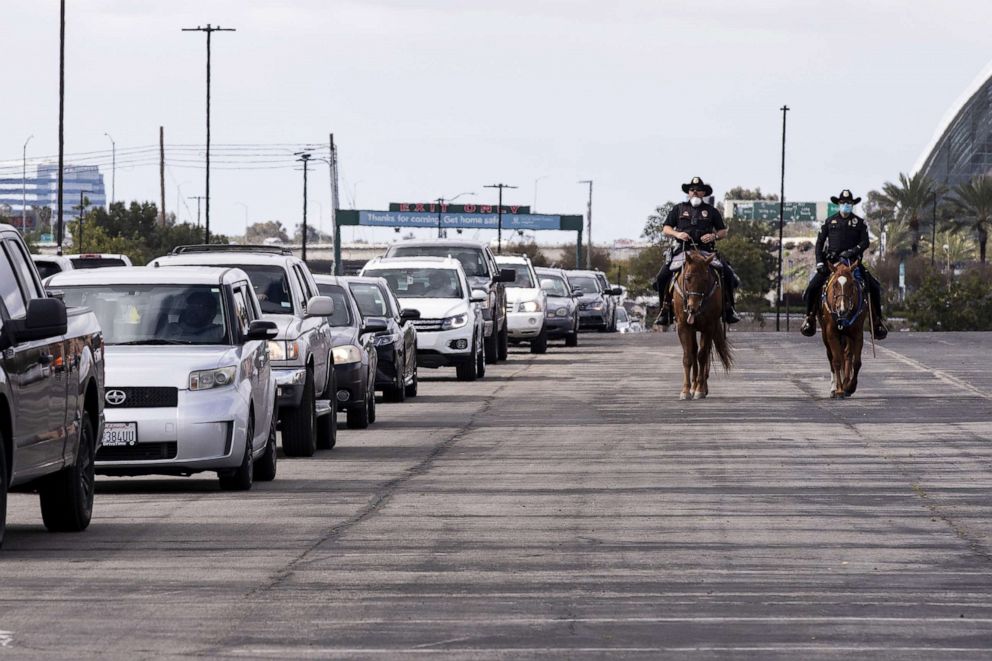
{"type": "Point", "coordinates": [685, 293]}
{"type": "Point", "coordinates": [847, 312]}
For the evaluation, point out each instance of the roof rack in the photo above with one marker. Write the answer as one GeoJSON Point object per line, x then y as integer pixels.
{"type": "Point", "coordinates": [221, 247]}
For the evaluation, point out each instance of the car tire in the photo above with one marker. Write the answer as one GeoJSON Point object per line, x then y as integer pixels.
{"type": "Point", "coordinates": [480, 367]}
{"type": "Point", "coordinates": [540, 343]}
{"type": "Point", "coordinates": [411, 390]}
{"type": "Point", "coordinates": [396, 393]}
{"type": "Point", "coordinates": [299, 437]}
{"type": "Point", "coordinates": [372, 407]}
{"type": "Point", "coordinates": [504, 342]}
{"type": "Point", "coordinates": [327, 424]}
{"type": "Point", "coordinates": [67, 496]}
{"type": "Point", "coordinates": [3, 486]}
{"type": "Point", "coordinates": [572, 339]}
{"type": "Point", "coordinates": [358, 416]}
{"type": "Point", "coordinates": [491, 343]}
{"type": "Point", "coordinates": [242, 477]}
{"type": "Point", "coordinates": [265, 467]}
{"type": "Point", "coordinates": [466, 370]}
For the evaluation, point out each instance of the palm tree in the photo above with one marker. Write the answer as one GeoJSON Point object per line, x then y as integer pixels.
{"type": "Point", "coordinates": [909, 199]}
{"type": "Point", "coordinates": [974, 200]}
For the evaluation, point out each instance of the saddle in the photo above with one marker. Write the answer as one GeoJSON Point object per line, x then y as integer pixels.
{"type": "Point", "coordinates": [678, 260]}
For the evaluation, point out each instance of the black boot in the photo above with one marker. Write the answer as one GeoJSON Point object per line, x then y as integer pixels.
{"type": "Point", "coordinates": [729, 312]}
{"type": "Point", "coordinates": [879, 332]}
{"type": "Point", "coordinates": [665, 316]}
{"type": "Point", "coordinates": [809, 326]}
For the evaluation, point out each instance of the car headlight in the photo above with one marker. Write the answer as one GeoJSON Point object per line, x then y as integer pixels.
{"type": "Point", "coordinates": [216, 378]}
{"type": "Point", "coordinates": [386, 339]}
{"type": "Point", "coordinates": [347, 353]}
{"type": "Point", "coordinates": [530, 306]}
{"type": "Point", "coordinates": [561, 312]}
{"type": "Point", "coordinates": [457, 321]}
{"type": "Point", "coordinates": [284, 349]}
{"type": "Point", "coordinates": [598, 305]}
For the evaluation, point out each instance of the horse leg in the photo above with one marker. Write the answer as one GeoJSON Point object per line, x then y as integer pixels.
{"type": "Point", "coordinates": [827, 337]}
{"type": "Point", "coordinates": [687, 337]}
{"type": "Point", "coordinates": [838, 359]}
{"type": "Point", "coordinates": [854, 346]}
{"type": "Point", "coordinates": [699, 388]}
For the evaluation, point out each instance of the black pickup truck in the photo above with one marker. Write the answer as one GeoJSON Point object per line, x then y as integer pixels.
{"type": "Point", "coordinates": [51, 394]}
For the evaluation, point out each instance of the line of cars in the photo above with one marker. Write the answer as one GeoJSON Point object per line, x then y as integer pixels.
{"type": "Point", "coordinates": [201, 360]}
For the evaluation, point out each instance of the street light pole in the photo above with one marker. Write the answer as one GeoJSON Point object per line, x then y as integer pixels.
{"type": "Point", "coordinates": [781, 228]}
{"type": "Point", "coordinates": [304, 157]}
{"type": "Point", "coordinates": [441, 202]}
{"type": "Point", "coordinates": [588, 225]}
{"type": "Point", "coordinates": [24, 183]}
{"type": "Point", "coordinates": [499, 216]}
{"type": "Point", "coordinates": [197, 198]}
{"type": "Point", "coordinates": [209, 30]}
{"type": "Point", "coordinates": [113, 168]}
{"type": "Point", "coordinates": [60, 184]}
{"type": "Point", "coordinates": [82, 206]}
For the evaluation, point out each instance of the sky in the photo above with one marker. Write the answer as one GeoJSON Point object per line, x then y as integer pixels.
{"type": "Point", "coordinates": [430, 98]}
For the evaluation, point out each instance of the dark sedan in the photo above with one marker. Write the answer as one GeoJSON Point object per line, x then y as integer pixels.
{"type": "Point", "coordinates": [355, 358]}
{"type": "Point", "coordinates": [561, 318]}
{"type": "Point", "coordinates": [396, 376]}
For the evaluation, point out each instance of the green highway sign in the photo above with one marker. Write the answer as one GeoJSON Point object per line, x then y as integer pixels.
{"type": "Point", "coordinates": [762, 210]}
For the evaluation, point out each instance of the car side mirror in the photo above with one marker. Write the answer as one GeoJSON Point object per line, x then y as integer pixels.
{"type": "Point", "coordinates": [375, 325]}
{"type": "Point", "coordinates": [578, 292]}
{"type": "Point", "coordinates": [479, 296]}
{"type": "Point", "coordinates": [45, 317]}
{"type": "Point", "coordinates": [615, 291]}
{"type": "Point", "coordinates": [409, 314]}
{"type": "Point", "coordinates": [260, 329]}
{"type": "Point", "coordinates": [507, 275]}
{"type": "Point", "coordinates": [320, 306]}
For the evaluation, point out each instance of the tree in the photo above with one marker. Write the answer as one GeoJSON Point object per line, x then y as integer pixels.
{"type": "Point", "coordinates": [956, 304]}
{"type": "Point", "coordinates": [654, 227]}
{"type": "Point", "coordinates": [974, 200]}
{"type": "Point", "coordinates": [533, 251]}
{"type": "Point", "coordinates": [270, 229]}
{"type": "Point", "coordinates": [754, 259]}
{"type": "Point", "coordinates": [906, 201]}
{"type": "Point", "coordinates": [741, 193]}
{"type": "Point", "coordinates": [600, 258]}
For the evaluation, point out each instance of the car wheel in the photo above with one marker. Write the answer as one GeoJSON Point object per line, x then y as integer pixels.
{"type": "Point", "coordinates": [3, 486]}
{"type": "Point", "coordinates": [504, 343]}
{"type": "Point", "coordinates": [371, 406]}
{"type": "Point", "coordinates": [480, 366]}
{"type": "Point", "coordinates": [466, 370]}
{"type": "Point", "coordinates": [67, 496]}
{"type": "Point", "coordinates": [265, 467]}
{"type": "Point", "coordinates": [540, 343]}
{"type": "Point", "coordinates": [241, 479]}
{"type": "Point", "coordinates": [411, 390]}
{"type": "Point", "coordinates": [300, 424]}
{"type": "Point", "coordinates": [327, 424]}
{"type": "Point", "coordinates": [572, 339]}
{"type": "Point", "coordinates": [397, 391]}
{"type": "Point", "coordinates": [358, 416]}
{"type": "Point", "coordinates": [492, 346]}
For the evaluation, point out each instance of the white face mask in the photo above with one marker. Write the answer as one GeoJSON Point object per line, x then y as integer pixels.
{"type": "Point", "coordinates": [695, 201]}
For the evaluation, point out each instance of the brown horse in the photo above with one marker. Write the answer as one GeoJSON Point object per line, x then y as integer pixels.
{"type": "Point", "coordinates": [842, 317]}
{"type": "Point", "coordinates": [698, 304]}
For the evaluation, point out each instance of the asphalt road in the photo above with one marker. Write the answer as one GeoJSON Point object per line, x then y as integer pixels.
{"type": "Point", "coordinates": [569, 506]}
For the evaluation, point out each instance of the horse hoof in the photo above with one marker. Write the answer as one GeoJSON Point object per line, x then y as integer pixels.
{"type": "Point", "coordinates": [684, 395]}
{"type": "Point", "coordinates": [836, 395]}
{"type": "Point", "coordinates": [699, 395]}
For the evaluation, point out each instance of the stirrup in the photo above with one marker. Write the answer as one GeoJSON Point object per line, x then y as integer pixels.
{"type": "Point", "coordinates": [880, 332]}
{"type": "Point", "coordinates": [730, 316]}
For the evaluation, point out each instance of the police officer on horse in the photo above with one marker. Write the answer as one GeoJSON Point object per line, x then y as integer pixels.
{"type": "Point", "coordinates": [695, 224]}
{"type": "Point", "coordinates": [842, 236]}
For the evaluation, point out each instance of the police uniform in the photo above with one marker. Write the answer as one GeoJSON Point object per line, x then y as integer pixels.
{"type": "Point", "coordinates": [841, 238]}
{"type": "Point", "coordinates": [697, 222]}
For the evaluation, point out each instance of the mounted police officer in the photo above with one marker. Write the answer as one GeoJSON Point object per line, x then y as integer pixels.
{"type": "Point", "coordinates": [695, 224]}
{"type": "Point", "coordinates": [842, 236]}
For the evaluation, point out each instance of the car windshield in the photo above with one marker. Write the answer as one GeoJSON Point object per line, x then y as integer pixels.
{"type": "Point", "coordinates": [342, 310]}
{"type": "Point", "coordinates": [421, 282]}
{"type": "Point", "coordinates": [271, 286]}
{"type": "Point", "coordinates": [554, 286]}
{"type": "Point", "coordinates": [46, 269]}
{"type": "Point", "coordinates": [96, 262]}
{"type": "Point", "coordinates": [155, 314]}
{"type": "Point", "coordinates": [622, 315]}
{"type": "Point", "coordinates": [587, 283]}
{"type": "Point", "coordinates": [371, 302]}
{"type": "Point", "coordinates": [472, 259]}
{"type": "Point", "coordinates": [523, 280]}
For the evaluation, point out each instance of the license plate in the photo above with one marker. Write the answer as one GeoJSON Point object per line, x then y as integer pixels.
{"type": "Point", "coordinates": [120, 433]}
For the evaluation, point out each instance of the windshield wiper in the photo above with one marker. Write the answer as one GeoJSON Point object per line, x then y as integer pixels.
{"type": "Point", "coordinates": [151, 342]}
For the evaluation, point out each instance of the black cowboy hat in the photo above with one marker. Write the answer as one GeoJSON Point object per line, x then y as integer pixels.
{"type": "Point", "coordinates": [698, 183]}
{"type": "Point", "coordinates": [845, 197]}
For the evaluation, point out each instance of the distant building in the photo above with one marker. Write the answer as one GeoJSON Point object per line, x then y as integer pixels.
{"type": "Point", "coordinates": [961, 147]}
{"type": "Point", "coordinates": [41, 190]}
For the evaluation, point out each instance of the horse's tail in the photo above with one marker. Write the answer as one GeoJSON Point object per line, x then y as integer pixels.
{"type": "Point", "coordinates": [724, 348]}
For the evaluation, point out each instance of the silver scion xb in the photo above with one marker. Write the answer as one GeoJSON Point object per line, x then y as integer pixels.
{"type": "Point", "coordinates": [189, 386]}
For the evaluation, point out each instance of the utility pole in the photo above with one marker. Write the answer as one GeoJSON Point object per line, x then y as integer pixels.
{"type": "Point", "coordinates": [24, 183]}
{"type": "Point", "coordinates": [304, 157]}
{"type": "Point", "coordinates": [781, 230]}
{"type": "Point", "coordinates": [440, 208]}
{"type": "Point", "coordinates": [82, 207]}
{"type": "Point", "coordinates": [58, 205]}
{"type": "Point", "coordinates": [197, 198]}
{"type": "Point", "coordinates": [588, 225]}
{"type": "Point", "coordinates": [113, 167]}
{"type": "Point", "coordinates": [336, 231]}
{"type": "Point", "coordinates": [161, 172]}
{"type": "Point", "coordinates": [209, 30]}
{"type": "Point", "coordinates": [499, 216]}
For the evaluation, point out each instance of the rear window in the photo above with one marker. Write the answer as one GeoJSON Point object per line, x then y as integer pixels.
{"type": "Point", "coordinates": [371, 302]}
{"type": "Point", "coordinates": [271, 287]}
{"type": "Point", "coordinates": [96, 262]}
{"type": "Point", "coordinates": [47, 269]}
{"type": "Point", "coordinates": [472, 259]}
{"type": "Point", "coordinates": [554, 285]}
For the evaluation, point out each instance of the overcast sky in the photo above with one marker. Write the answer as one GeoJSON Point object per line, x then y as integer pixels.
{"type": "Point", "coordinates": [436, 97]}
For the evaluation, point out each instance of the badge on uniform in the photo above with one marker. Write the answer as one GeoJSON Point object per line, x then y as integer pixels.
{"type": "Point", "coordinates": [706, 214]}
{"type": "Point", "coordinates": [853, 222]}
{"type": "Point", "coordinates": [685, 214]}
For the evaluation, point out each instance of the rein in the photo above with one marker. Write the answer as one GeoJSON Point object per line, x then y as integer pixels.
{"type": "Point", "coordinates": [847, 320]}
{"type": "Point", "coordinates": [686, 294]}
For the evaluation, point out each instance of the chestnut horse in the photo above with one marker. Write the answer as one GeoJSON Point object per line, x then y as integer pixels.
{"type": "Point", "coordinates": [842, 313]}
{"type": "Point", "coordinates": [697, 301]}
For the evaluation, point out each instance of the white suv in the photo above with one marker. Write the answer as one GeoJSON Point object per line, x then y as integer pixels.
{"type": "Point", "coordinates": [451, 329]}
{"type": "Point", "coordinates": [525, 304]}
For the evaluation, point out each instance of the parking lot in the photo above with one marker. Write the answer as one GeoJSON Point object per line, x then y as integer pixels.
{"type": "Point", "coordinates": [566, 505]}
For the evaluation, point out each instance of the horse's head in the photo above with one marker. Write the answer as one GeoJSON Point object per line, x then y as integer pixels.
{"type": "Point", "coordinates": [698, 281]}
{"type": "Point", "coordinates": [842, 293]}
